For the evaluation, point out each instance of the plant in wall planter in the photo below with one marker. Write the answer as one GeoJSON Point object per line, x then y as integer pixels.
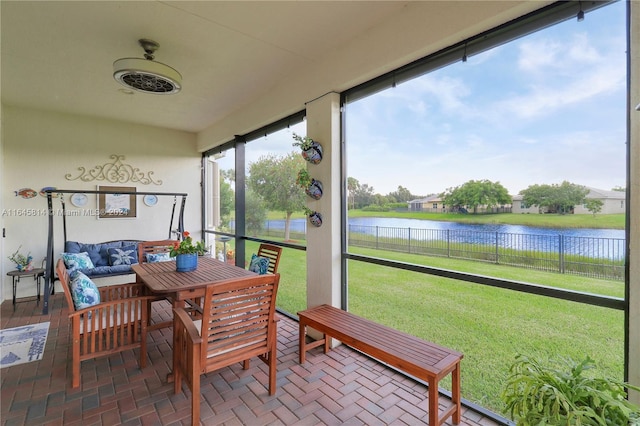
{"type": "Point", "coordinates": [311, 150]}
{"type": "Point", "coordinates": [311, 186]}
{"type": "Point", "coordinates": [314, 217]}
{"type": "Point", "coordinates": [537, 394]}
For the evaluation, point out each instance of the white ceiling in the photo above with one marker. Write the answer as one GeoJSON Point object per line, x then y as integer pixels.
{"type": "Point", "coordinates": [58, 55]}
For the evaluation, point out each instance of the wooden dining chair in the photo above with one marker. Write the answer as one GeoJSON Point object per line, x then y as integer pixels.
{"type": "Point", "coordinates": [117, 323]}
{"type": "Point", "coordinates": [146, 248]}
{"type": "Point", "coordinates": [153, 247]}
{"type": "Point", "coordinates": [238, 323]}
{"type": "Point", "coordinates": [272, 253]}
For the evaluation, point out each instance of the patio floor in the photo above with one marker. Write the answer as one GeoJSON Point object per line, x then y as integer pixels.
{"type": "Point", "coordinates": [342, 387]}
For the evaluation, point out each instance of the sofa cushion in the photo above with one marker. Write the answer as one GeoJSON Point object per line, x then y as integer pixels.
{"type": "Point", "coordinates": [158, 257]}
{"type": "Point", "coordinates": [127, 255]}
{"type": "Point", "coordinates": [107, 270]}
{"type": "Point", "coordinates": [259, 265]}
{"type": "Point", "coordinates": [99, 253]}
{"type": "Point", "coordinates": [76, 261]}
{"type": "Point", "coordinates": [84, 292]}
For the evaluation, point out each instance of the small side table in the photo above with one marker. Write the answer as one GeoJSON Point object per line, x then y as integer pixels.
{"type": "Point", "coordinates": [36, 273]}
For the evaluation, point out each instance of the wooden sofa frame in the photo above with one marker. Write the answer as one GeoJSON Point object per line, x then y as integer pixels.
{"type": "Point", "coordinates": [118, 323]}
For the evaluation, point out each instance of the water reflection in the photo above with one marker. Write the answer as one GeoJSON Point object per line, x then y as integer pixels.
{"type": "Point", "coordinates": [299, 225]}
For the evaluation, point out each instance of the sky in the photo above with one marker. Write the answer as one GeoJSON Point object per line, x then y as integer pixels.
{"type": "Point", "coordinates": [543, 109]}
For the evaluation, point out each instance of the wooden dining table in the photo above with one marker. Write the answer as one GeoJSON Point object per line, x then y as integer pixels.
{"type": "Point", "coordinates": [161, 278]}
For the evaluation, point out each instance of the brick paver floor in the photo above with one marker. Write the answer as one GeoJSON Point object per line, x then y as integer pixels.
{"type": "Point", "coordinates": [342, 387]}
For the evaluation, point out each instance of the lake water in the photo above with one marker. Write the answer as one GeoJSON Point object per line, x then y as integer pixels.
{"type": "Point", "coordinates": [299, 225]}
{"type": "Point", "coordinates": [593, 243]}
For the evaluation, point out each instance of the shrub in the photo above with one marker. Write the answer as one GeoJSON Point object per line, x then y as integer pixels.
{"type": "Point", "coordinates": [541, 395]}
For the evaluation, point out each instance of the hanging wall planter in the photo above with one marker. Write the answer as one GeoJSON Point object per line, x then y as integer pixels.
{"type": "Point", "coordinates": [311, 150]}
{"type": "Point", "coordinates": [314, 217]}
{"type": "Point", "coordinates": [314, 190]}
{"type": "Point", "coordinates": [312, 187]}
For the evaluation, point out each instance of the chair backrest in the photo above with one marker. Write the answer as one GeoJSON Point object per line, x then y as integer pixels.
{"type": "Point", "coordinates": [153, 247]}
{"type": "Point", "coordinates": [238, 320]}
{"type": "Point", "coordinates": [63, 276]}
{"type": "Point", "coordinates": [272, 253]}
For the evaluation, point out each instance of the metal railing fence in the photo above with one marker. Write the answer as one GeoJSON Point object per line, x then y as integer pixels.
{"type": "Point", "coordinates": [594, 257]}
{"type": "Point", "coordinates": [587, 256]}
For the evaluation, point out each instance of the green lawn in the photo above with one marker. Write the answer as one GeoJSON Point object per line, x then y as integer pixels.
{"type": "Point", "coordinates": [488, 325]}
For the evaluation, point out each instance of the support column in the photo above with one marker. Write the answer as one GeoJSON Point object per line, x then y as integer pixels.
{"type": "Point", "coordinates": [323, 243]}
{"type": "Point", "coordinates": [633, 198]}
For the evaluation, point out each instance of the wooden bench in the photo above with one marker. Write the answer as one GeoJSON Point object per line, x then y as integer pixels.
{"type": "Point", "coordinates": [417, 357]}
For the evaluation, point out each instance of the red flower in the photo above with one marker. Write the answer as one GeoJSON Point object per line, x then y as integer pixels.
{"type": "Point", "coordinates": [186, 246]}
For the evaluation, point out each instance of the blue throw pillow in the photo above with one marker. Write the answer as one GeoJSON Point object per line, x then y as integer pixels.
{"type": "Point", "coordinates": [84, 292]}
{"type": "Point", "coordinates": [259, 265]}
{"type": "Point", "coordinates": [127, 255]}
{"type": "Point", "coordinates": [158, 257]}
{"type": "Point", "coordinates": [74, 261]}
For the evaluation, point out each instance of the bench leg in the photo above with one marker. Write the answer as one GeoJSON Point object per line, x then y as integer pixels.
{"type": "Point", "coordinates": [304, 346]}
{"type": "Point", "coordinates": [434, 419]}
{"type": "Point", "coordinates": [302, 342]}
{"type": "Point", "coordinates": [455, 392]}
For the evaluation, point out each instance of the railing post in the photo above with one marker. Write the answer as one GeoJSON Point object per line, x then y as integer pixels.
{"type": "Point", "coordinates": [448, 243]}
{"type": "Point", "coordinates": [496, 247]}
{"type": "Point", "coordinates": [561, 253]}
{"type": "Point", "coordinates": [409, 242]}
{"type": "Point", "coordinates": [377, 236]}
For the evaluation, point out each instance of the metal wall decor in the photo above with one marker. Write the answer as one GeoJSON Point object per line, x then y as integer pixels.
{"type": "Point", "coordinates": [117, 171]}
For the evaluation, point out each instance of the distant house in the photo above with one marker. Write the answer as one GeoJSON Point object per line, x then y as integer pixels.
{"type": "Point", "coordinates": [431, 203]}
{"type": "Point", "coordinates": [434, 204]}
{"type": "Point", "coordinates": [613, 202]}
{"type": "Point", "coordinates": [519, 206]}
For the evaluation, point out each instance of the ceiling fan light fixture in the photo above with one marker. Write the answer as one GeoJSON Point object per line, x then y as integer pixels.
{"type": "Point", "coordinates": [146, 75]}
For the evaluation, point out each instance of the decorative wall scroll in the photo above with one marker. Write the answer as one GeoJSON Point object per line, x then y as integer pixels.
{"type": "Point", "coordinates": [117, 205]}
{"type": "Point", "coordinates": [117, 171]}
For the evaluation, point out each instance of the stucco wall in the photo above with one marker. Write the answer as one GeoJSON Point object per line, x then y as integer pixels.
{"type": "Point", "coordinates": [40, 148]}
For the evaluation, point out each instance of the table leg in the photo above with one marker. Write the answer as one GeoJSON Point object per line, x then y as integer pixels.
{"type": "Point", "coordinates": [15, 281]}
{"type": "Point", "coordinates": [37, 277]}
{"type": "Point", "coordinates": [170, 378]}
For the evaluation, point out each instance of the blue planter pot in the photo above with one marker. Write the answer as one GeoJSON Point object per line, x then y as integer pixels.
{"type": "Point", "coordinates": [313, 154]}
{"type": "Point", "coordinates": [315, 189]}
{"type": "Point", "coordinates": [316, 219]}
{"type": "Point", "coordinates": [186, 262]}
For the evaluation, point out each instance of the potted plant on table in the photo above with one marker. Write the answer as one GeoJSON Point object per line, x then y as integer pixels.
{"type": "Point", "coordinates": [311, 186]}
{"type": "Point", "coordinates": [23, 263]}
{"type": "Point", "coordinates": [186, 253]}
{"type": "Point", "coordinates": [541, 395]}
